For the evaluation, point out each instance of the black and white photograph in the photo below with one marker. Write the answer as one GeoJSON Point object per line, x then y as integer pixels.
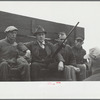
{"type": "Point", "coordinates": [38, 49]}
{"type": "Point", "coordinates": [50, 49]}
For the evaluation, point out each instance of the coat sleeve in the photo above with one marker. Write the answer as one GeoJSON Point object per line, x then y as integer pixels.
{"type": "Point", "coordinates": [72, 57]}
{"type": "Point", "coordinates": [21, 47]}
{"type": "Point", "coordinates": [28, 45]}
{"type": "Point", "coordinates": [84, 60]}
{"type": "Point", "coordinates": [59, 57]}
{"type": "Point", "coordinates": [0, 50]}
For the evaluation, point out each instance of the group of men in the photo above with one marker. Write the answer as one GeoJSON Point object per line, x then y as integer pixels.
{"type": "Point", "coordinates": [33, 60]}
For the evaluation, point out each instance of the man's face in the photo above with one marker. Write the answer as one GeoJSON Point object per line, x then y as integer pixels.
{"type": "Point", "coordinates": [12, 35]}
{"type": "Point", "coordinates": [40, 37]}
{"type": "Point", "coordinates": [78, 43]}
{"type": "Point", "coordinates": [62, 35]}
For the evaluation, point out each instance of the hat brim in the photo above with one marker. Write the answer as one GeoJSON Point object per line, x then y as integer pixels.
{"type": "Point", "coordinates": [10, 30]}
{"type": "Point", "coordinates": [38, 33]}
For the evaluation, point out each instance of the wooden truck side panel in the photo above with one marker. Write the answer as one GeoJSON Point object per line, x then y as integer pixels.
{"type": "Point", "coordinates": [27, 25]}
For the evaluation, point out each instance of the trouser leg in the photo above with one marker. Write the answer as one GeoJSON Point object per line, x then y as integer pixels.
{"type": "Point", "coordinates": [4, 71]}
{"type": "Point", "coordinates": [67, 73]}
{"type": "Point", "coordinates": [24, 70]}
{"type": "Point", "coordinates": [88, 73]}
{"type": "Point", "coordinates": [73, 74]}
{"type": "Point", "coordinates": [36, 71]}
{"type": "Point", "coordinates": [54, 74]}
{"type": "Point", "coordinates": [82, 74]}
{"type": "Point", "coordinates": [70, 73]}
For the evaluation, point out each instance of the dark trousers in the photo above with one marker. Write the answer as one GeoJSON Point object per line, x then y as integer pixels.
{"type": "Point", "coordinates": [42, 72]}
{"type": "Point", "coordinates": [70, 73]}
{"type": "Point", "coordinates": [7, 71]}
{"type": "Point", "coordinates": [82, 74]}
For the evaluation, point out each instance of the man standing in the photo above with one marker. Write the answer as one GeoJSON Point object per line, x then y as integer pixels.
{"type": "Point", "coordinates": [9, 57]}
{"type": "Point", "coordinates": [69, 69]}
{"type": "Point", "coordinates": [79, 53]}
{"type": "Point", "coordinates": [41, 51]}
{"type": "Point", "coordinates": [94, 64]}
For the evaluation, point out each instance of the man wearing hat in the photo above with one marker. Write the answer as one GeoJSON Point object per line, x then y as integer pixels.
{"type": "Point", "coordinates": [79, 53]}
{"type": "Point", "coordinates": [69, 69]}
{"type": "Point", "coordinates": [9, 56]}
{"type": "Point", "coordinates": [93, 59]}
{"type": "Point", "coordinates": [42, 50]}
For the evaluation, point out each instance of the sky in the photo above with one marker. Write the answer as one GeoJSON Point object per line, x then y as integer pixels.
{"type": "Point", "coordinates": [67, 12]}
{"type": "Point", "coordinates": [88, 14]}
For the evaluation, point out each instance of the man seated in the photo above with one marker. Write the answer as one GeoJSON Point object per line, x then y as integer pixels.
{"type": "Point", "coordinates": [69, 69]}
{"type": "Point", "coordinates": [41, 51]}
{"type": "Point", "coordinates": [79, 53]}
{"type": "Point", "coordinates": [9, 57]}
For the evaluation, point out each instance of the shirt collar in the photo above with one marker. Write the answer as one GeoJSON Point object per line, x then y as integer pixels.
{"type": "Point", "coordinates": [41, 43]}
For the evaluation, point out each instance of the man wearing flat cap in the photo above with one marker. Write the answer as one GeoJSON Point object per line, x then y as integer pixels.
{"type": "Point", "coordinates": [9, 56]}
{"type": "Point", "coordinates": [79, 53]}
{"type": "Point", "coordinates": [41, 50]}
{"type": "Point", "coordinates": [93, 59]}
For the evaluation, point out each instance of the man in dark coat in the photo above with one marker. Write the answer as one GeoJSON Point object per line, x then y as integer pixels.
{"type": "Point", "coordinates": [69, 69]}
{"type": "Point", "coordinates": [9, 57]}
{"type": "Point", "coordinates": [79, 53]}
{"type": "Point", "coordinates": [94, 64]}
{"type": "Point", "coordinates": [41, 51]}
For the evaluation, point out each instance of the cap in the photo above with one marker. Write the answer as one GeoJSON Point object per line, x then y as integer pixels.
{"type": "Point", "coordinates": [79, 38]}
{"type": "Point", "coordinates": [94, 53]}
{"type": "Point", "coordinates": [10, 28]}
{"type": "Point", "coordinates": [61, 32]}
{"type": "Point", "coordinates": [39, 29]}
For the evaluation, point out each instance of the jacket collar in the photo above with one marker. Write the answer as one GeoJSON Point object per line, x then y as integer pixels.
{"type": "Point", "coordinates": [37, 43]}
{"type": "Point", "coordinates": [46, 47]}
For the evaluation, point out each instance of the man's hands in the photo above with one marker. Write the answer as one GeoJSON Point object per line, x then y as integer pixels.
{"type": "Point", "coordinates": [60, 66]}
{"type": "Point", "coordinates": [28, 54]}
{"type": "Point", "coordinates": [77, 69]}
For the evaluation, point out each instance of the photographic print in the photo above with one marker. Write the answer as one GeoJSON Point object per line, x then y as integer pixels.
{"type": "Point", "coordinates": [49, 49]}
